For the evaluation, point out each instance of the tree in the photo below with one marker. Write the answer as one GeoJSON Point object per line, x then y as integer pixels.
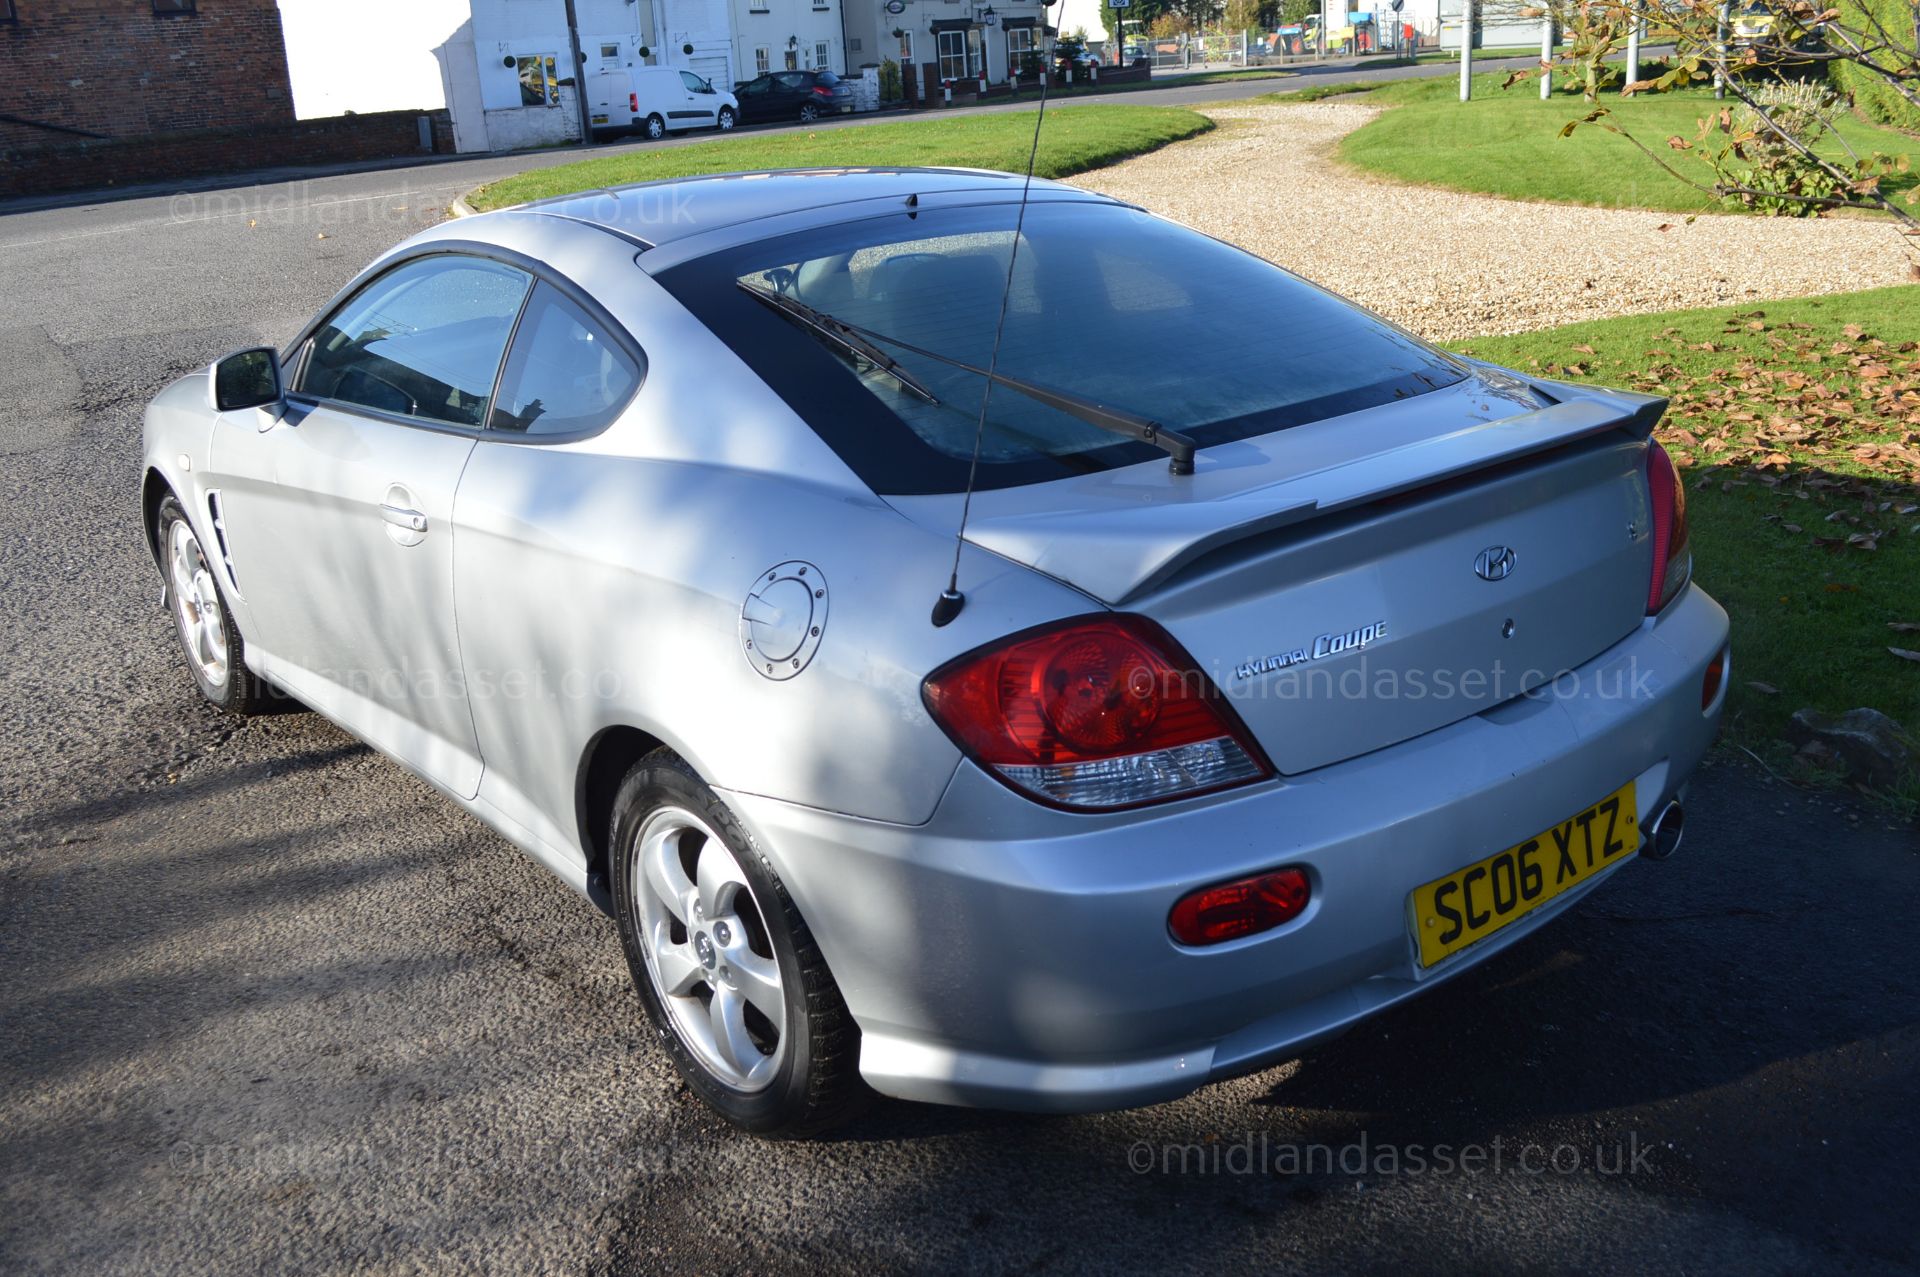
{"type": "Point", "coordinates": [1771, 145]}
{"type": "Point", "coordinates": [1170, 25]}
{"type": "Point", "coordinates": [1243, 15]}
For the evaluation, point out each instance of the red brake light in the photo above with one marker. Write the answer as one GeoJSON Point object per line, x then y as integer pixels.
{"type": "Point", "coordinates": [633, 103]}
{"type": "Point", "coordinates": [1672, 555]}
{"type": "Point", "coordinates": [823, 90]}
{"type": "Point", "coordinates": [1241, 908]}
{"type": "Point", "coordinates": [1098, 713]}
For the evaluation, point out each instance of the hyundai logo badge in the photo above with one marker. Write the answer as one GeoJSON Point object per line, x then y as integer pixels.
{"type": "Point", "coordinates": [1494, 564]}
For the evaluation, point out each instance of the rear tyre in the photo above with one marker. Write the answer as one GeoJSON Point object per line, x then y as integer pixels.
{"type": "Point", "coordinates": [209, 639]}
{"type": "Point", "coordinates": [726, 119]}
{"type": "Point", "coordinates": [725, 966]}
{"type": "Point", "coordinates": [655, 128]}
{"type": "Point", "coordinates": [809, 113]}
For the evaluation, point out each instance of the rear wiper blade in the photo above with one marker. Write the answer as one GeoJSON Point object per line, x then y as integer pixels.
{"type": "Point", "coordinates": [861, 342]}
{"type": "Point", "coordinates": [1117, 421]}
{"type": "Point", "coordinates": [842, 334]}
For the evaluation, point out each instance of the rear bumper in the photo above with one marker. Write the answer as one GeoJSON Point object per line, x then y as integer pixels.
{"type": "Point", "coordinates": [1009, 955]}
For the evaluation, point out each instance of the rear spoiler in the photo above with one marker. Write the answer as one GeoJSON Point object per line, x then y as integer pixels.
{"type": "Point", "coordinates": [1119, 553]}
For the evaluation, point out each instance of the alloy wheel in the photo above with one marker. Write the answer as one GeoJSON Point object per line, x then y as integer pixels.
{"type": "Point", "coordinates": [196, 605]}
{"type": "Point", "coordinates": [707, 949]}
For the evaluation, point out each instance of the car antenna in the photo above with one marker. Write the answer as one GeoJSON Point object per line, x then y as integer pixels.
{"type": "Point", "coordinates": [951, 600]}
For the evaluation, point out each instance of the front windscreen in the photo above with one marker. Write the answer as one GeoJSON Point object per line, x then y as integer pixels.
{"type": "Point", "coordinates": [1106, 303]}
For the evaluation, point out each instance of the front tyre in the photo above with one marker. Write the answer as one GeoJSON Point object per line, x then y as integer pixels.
{"type": "Point", "coordinates": [726, 967]}
{"type": "Point", "coordinates": [211, 642]}
{"type": "Point", "coordinates": [726, 119]}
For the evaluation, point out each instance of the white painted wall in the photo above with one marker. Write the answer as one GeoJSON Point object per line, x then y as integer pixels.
{"type": "Point", "coordinates": [366, 55]}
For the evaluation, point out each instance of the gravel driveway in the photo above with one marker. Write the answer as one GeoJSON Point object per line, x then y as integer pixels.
{"type": "Point", "coordinates": [1449, 265]}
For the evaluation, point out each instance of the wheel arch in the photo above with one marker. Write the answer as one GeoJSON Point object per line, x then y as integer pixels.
{"type": "Point", "coordinates": [608, 757]}
{"type": "Point", "coordinates": [154, 489]}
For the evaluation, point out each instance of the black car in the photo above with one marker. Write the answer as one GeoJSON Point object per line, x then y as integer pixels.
{"type": "Point", "coordinates": [793, 95]}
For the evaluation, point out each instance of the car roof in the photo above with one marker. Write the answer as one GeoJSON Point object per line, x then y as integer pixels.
{"type": "Point", "coordinates": [655, 213]}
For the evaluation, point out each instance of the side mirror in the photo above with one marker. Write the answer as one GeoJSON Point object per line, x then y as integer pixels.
{"type": "Point", "coordinates": [247, 379]}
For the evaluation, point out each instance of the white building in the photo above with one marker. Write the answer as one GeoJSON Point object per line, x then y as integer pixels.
{"type": "Point", "coordinates": [790, 35]}
{"type": "Point", "coordinates": [957, 40]}
{"type": "Point", "coordinates": [508, 71]}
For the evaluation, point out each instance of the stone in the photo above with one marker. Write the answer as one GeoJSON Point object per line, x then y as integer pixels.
{"type": "Point", "coordinates": [1874, 749]}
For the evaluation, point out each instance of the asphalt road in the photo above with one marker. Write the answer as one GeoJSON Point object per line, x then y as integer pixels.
{"type": "Point", "coordinates": [267, 1003]}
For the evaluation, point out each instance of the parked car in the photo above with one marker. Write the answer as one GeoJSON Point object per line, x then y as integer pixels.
{"type": "Point", "coordinates": [1078, 61]}
{"type": "Point", "coordinates": [1287, 666]}
{"type": "Point", "coordinates": [793, 95]}
{"type": "Point", "coordinates": [657, 101]}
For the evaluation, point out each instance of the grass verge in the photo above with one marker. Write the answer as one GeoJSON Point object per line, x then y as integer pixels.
{"type": "Point", "coordinates": [1507, 142]}
{"type": "Point", "coordinates": [1076, 139]}
{"type": "Point", "coordinates": [1797, 426]}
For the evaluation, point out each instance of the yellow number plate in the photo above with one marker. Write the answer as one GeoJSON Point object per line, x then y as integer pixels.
{"type": "Point", "coordinates": [1472, 903]}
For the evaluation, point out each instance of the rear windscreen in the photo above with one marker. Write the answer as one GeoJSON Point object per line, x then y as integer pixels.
{"type": "Point", "coordinates": [1106, 303]}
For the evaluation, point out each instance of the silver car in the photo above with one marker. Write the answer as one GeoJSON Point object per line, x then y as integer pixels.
{"type": "Point", "coordinates": [1286, 666]}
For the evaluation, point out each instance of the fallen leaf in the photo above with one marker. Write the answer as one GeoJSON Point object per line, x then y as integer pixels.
{"type": "Point", "coordinates": [1765, 689]}
{"type": "Point", "coordinates": [1905, 654]}
{"type": "Point", "coordinates": [1904, 627]}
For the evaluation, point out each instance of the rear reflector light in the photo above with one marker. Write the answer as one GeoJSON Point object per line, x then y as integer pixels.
{"type": "Point", "coordinates": [1710, 684]}
{"type": "Point", "coordinates": [1672, 552]}
{"type": "Point", "coordinates": [1244, 907]}
{"type": "Point", "coordinates": [1094, 714]}
{"type": "Point", "coordinates": [633, 103]}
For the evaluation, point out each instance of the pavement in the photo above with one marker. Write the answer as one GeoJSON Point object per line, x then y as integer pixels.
{"type": "Point", "coordinates": [269, 1004]}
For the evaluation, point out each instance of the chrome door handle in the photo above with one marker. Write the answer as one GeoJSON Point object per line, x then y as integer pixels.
{"type": "Point", "coordinates": [401, 517]}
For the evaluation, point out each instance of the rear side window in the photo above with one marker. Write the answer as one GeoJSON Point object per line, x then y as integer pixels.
{"type": "Point", "coordinates": [424, 340]}
{"type": "Point", "coordinates": [564, 376]}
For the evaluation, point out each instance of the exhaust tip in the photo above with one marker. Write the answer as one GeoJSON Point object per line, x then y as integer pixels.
{"type": "Point", "coordinates": [1663, 839]}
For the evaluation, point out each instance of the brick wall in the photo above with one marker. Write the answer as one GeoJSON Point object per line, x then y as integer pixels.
{"type": "Point", "coordinates": [162, 157]}
{"type": "Point", "coordinates": [116, 67]}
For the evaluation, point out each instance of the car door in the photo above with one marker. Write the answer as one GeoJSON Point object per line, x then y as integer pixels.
{"type": "Point", "coordinates": [752, 97]}
{"type": "Point", "coordinates": [699, 103]}
{"type": "Point", "coordinates": [339, 513]}
{"type": "Point", "coordinates": [789, 88]}
{"type": "Point", "coordinates": [536, 649]}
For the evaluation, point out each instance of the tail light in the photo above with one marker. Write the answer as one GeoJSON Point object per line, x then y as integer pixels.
{"type": "Point", "coordinates": [1244, 907]}
{"type": "Point", "coordinates": [823, 90]}
{"type": "Point", "coordinates": [633, 103]}
{"type": "Point", "coordinates": [1672, 554]}
{"type": "Point", "coordinates": [1094, 714]}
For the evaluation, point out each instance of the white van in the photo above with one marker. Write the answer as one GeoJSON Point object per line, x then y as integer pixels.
{"type": "Point", "coordinates": [657, 101]}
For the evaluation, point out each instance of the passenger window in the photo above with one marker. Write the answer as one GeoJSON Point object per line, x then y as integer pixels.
{"type": "Point", "coordinates": [565, 376]}
{"type": "Point", "coordinates": [423, 340]}
{"type": "Point", "coordinates": [695, 83]}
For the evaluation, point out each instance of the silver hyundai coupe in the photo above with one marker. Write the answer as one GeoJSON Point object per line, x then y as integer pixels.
{"type": "Point", "coordinates": [982, 651]}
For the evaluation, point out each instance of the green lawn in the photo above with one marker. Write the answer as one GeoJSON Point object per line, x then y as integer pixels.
{"type": "Point", "coordinates": [1797, 425]}
{"type": "Point", "coordinates": [1507, 142]}
{"type": "Point", "coordinates": [1075, 139]}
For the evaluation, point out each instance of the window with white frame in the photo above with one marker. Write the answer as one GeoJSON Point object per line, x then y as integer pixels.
{"type": "Point", "coordinates": [1019, 45]}
{"type": "Point", "coordinates": [821, 56]}
{"type": "Point", "coordinates": [761, 63]}
{"type": "Point", "coordinates": [609, 53]}
{"type": "Point", "coordinates": [906, 48]}
{"type": "Point", "coordinates": [953, 55]}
